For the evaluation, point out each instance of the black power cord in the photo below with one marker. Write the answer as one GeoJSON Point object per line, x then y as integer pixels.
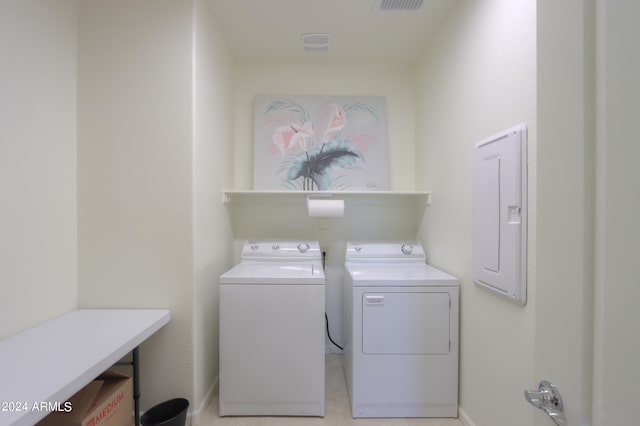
{"type": "Point", "coordinates": [329, 334]}
{"type": "Point", "coordinates": [326, 318]}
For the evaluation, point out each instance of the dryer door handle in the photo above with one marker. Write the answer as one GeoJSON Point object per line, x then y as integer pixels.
{"type": "Point", "coordinates": [374, 299]}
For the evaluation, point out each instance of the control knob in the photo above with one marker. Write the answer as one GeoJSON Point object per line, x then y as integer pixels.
{"type": "Point", "coordinates": [303, 248]}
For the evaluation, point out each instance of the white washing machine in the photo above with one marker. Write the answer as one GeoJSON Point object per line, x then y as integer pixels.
{"type": "Point", "coordinates": [272, 331]}
{"type": "Point", "coordinates": [401, 333]}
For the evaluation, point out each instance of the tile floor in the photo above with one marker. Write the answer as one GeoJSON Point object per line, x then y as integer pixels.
{"type": "Point", "coordinates": [337, 410]}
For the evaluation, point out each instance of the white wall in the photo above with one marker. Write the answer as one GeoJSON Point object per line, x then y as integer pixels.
{"type": "Point", "coordinates": [478, 77]}
{"type": "Point", "coordinates": [155, 152]}
{"type": "Point", "coordinates": [618, 201]}
{"type": "Point", "coordinates": [212, 172]}
{"type": "Point", "coordinates": [135, 173]}
{"type": "Point", "coordinates": [564, 290]}
{"type": "Point", "coordinates": [38, 248]}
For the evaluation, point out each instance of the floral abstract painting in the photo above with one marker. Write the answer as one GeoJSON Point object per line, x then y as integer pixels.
{"type": "Point", "coordinates": [320, 143]}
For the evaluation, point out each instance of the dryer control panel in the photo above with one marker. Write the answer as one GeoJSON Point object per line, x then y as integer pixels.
{"type": "Point", "coordinates": [379, 251]}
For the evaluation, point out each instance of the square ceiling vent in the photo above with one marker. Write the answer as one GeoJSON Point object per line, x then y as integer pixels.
{"type": "Point", "coordinates": [398, 5]}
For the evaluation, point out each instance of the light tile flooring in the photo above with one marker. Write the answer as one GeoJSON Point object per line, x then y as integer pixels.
{"type": "Point", "coordinates": [337, 410]}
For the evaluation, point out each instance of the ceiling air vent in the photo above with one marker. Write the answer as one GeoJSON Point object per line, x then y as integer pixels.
{"type": "Point", "coordinates": [398, 5]}
{"type": "Point", "coordinates": [316, 42]}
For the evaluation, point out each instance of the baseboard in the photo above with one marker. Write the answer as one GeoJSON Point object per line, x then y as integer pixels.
{"type": "Point", "coordinates": [195, 416]}
{"type": "Point", "coordinates": [464, 418]}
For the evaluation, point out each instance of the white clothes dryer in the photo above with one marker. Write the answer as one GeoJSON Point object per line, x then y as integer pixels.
{"type": "Point", "coordinates": [272, 330]}
{"type": "Point", "coordinates": [401, 333]}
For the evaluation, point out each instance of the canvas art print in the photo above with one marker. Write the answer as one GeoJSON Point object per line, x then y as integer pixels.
{"type": "Point", "coordinates": [320, 143]}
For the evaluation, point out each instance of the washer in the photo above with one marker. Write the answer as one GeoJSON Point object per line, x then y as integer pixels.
{"type": "Point", "coordinates": [272, 329]}
{"type": "Point", "coordinates": [401, 333]}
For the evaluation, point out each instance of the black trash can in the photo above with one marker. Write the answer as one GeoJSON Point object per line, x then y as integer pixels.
{"type": "Point", "coordinates": [169, 413]}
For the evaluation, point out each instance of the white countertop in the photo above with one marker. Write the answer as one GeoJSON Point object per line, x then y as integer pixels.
{"type": "Point", "coordinates": [53, 360]}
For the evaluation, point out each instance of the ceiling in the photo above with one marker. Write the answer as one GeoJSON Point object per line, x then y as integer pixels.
{"type": "Point", "coordinates": [270, 31]}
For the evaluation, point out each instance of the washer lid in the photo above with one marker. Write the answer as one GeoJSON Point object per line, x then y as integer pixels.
{"type": "Point", "coordinates": [398, 274]}
{"type": "Point", "coordinates": [402, 251]}
{"type": "Point", "coordinates": [256, 272]}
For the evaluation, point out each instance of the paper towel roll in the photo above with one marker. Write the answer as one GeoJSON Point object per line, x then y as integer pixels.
{"type": "Point", "coordinates": [326, 208]}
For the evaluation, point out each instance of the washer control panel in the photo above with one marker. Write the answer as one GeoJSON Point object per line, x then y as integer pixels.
{"type": "Point", "coordinates": [265, 249]}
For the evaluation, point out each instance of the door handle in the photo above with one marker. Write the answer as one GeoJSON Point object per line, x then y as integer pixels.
{"type": "Point", "coordinates": [548, 399]}
{"type": "Point", "coordinates": [374, 300]}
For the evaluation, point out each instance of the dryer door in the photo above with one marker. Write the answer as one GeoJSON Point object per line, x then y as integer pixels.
{"type": "Point", "coordinates": [406, 323]}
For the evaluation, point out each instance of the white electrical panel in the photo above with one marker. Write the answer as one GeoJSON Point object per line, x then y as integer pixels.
{"type": "Point", "coordinates": [499, 239]}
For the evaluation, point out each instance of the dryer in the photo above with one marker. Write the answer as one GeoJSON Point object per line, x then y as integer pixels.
{"type": "Point", "coordinates": [401, 332]}
{"type": "Point", "coordinates": [272, 329]}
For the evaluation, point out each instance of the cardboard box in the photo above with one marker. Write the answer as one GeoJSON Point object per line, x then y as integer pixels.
{"type": "Point", "coordinates": [106, 401]}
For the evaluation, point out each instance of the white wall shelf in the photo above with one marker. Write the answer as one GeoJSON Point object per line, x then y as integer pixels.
{"type": "Point", "coordinates": [300, 197]}
{"type": "Point", "coordinates": [284, 214]}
